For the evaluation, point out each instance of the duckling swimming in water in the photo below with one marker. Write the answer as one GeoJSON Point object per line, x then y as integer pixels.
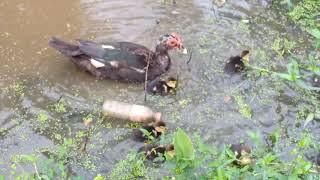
{"type": "Point", "coordinates": [152, 151]}
{"type": "Point", "coordinates": [154, 130]}
{"type": "Point", "coordinates": [236, 63]}
{"type": "Point", "coordinates": [162, 87]}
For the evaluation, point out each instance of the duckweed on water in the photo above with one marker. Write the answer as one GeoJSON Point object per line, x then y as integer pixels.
{"type": "Point", "coordinates": [130, 168]}
{"type": "Point", "coordinates": [244, 108]}
{"type": "Point", "coordinates": [59, 107]}
{"type": "Point", "coordinates": [306, 14]}
{"type": "Point", "coordinates": [283, 46]}
{"type": "Point", "coordinates": [42, 117]}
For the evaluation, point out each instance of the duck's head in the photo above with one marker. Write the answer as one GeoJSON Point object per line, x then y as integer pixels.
{"type": "Point", "coordinates": [172, 41]}
{"type": "Point", "coordinates": [170, 150]}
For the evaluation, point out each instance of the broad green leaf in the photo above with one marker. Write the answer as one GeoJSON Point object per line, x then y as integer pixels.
{"type": "Point", "coordinates": [147, 134]}
{"type": "Point", "coordinates": [284, 76]}
{"type": "Point", "coordinates": [99, 177]}
{"type": "Point", "coordinates": [220, 174]}
{"type": "Point", "coordinates": [315, 69]}
{"type": "Point", "coordinates": [293, 70]}
{"type": "Point", "coordinates": [183, 146]}
{"type": "Point", "coordinates": [314, 32]}
{"type": "Point", "coordinates": [28, 158]}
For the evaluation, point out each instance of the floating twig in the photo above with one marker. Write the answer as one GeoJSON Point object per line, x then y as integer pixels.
{"type": "Point", "coordinates": [83, 145]}
{"type": "Point", "coordinates": [146, 77]}
{"type": "Point", "coordinates": [214, 13]}
{"type": "Point", "coordinates": [190, 57]}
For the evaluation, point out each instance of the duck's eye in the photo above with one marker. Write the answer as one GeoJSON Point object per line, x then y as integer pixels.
{"type": "Point", "coordinates": [172, 43]}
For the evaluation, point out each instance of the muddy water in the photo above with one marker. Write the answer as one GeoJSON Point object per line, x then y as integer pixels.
{"type": "Point", "coordinates": [33, 76]}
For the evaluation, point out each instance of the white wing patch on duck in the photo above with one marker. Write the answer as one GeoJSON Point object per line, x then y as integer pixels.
{"type": "Point", "coordinates": [138, 70]}
{"type": "Point", "coordinates": [114, 64]}
{"type": "Point", "coordinates": [107, 47]}
{"type": "Point", "coordinates": [96, 63]}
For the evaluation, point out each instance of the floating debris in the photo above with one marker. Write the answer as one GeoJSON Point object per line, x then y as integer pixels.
{"type": "Point", "coordinates": [132, 112]}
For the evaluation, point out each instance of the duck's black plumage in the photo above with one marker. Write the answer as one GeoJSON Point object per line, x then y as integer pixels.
{"type": "Point", "coordinates": [235, 63]}
{"type": "Point", "coordinates": [124, 61]}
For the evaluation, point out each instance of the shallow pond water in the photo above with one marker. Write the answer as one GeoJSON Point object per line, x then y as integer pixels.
{"type": "Point", "coordinates": [34, 77]}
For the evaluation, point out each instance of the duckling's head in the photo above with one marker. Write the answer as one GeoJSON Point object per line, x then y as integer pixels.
{"type": "Point", "coordinates": [160, 127]}
{"type": "Point", "coordinates": [245, 56]}
{"type": "Point", "coordinates": [171, 82]}
{"type": "Point", "coordinates": [170, 150]}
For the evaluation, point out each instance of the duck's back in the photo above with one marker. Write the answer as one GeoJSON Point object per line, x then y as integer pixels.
{"type": "Point", "coordinates": [105, 53]}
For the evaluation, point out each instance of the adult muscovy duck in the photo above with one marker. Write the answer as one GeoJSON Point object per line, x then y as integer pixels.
{"type": "Point", "coordinates": [123, 61]}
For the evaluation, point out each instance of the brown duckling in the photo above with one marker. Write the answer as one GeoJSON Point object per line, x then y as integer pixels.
{"type": "Point", "coordinates": [152, 151]}
{"type": "Point", "coordinates": [242, 153]}
{"type": "Point", "coordinates": [154, 130]}
{"type": "Point", "coordinates": [236, 63]}
{"type": "Point", "coordinates": [162, 87]}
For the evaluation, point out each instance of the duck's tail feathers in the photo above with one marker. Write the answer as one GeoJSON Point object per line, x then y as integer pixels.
{"type": "Point", "coordinates": [65, 48]}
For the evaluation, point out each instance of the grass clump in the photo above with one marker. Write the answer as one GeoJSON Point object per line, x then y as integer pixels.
{"type": "Point", "coordinates": [132, 167]}
{"type": "Point", "coordinates": [42, 117]}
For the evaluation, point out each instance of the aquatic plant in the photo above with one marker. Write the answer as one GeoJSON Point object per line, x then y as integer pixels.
{"type": "Point", "coordinates": [244, 108]}
{"type": "Point", "coordinates": [316, 34]}
{"type": "Point", "coordinates": [130, 168]}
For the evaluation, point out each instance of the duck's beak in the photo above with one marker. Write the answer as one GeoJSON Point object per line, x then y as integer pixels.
{"type": "Point", "coordinates": [183, 50]}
